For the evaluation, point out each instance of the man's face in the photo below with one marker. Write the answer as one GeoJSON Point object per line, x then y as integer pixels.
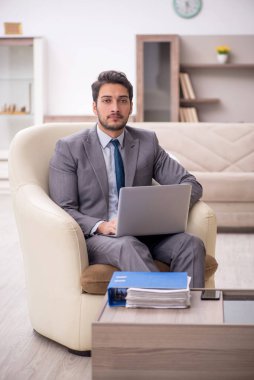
{"type": "Point", "coordinates": [113, 108]}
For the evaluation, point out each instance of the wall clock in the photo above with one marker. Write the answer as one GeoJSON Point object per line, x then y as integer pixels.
{"type": "Point", "coordinates": [187, 8]}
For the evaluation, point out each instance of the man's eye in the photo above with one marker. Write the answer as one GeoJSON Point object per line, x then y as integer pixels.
{"type": "Point", "coordinates": [124, 100]}
{"type": "Point", "coordinates": [106, 100]}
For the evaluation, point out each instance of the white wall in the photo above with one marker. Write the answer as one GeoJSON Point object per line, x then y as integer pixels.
{"type": "Point", "coordinates": [84, 37]}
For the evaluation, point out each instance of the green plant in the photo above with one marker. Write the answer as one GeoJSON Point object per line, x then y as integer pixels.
{"type": "Point", "coordinates": [223, 49]}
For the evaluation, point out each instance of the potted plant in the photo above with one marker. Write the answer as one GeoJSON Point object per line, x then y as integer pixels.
{"type": "Point", "coordinates": [222, 53]}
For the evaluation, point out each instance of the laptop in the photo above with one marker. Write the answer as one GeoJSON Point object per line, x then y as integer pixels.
{"type": "Point", "coordinates": [153, 210]}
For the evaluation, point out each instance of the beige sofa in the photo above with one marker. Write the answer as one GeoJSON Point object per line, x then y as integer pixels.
{"type": "Point", "coordinates": [54, 248]}
{"type": "Point", "coordinates": [221, 156]}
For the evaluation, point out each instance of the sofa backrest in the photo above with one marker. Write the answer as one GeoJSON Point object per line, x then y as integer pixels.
{"type": "Point", "coordinates": [208, 147]}
{"type": "Point", "coordinates": [199, 147]}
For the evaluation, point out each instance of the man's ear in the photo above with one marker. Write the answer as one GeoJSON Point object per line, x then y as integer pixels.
{"type": "Point", "coordinates": [95, 108]}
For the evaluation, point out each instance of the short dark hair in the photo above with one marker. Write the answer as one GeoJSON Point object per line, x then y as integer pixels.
{"type": "Point", "coordinates": [111, 76]}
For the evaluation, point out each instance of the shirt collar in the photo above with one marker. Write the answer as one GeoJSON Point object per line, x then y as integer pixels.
{"type": "Point", "coordinates": [105, 139]}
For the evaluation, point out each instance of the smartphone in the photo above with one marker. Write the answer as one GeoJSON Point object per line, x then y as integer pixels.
{"type": "Point", "coordinates": [210, 295]}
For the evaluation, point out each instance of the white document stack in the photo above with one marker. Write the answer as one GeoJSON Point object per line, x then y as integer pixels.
{"type": "Point", "coordinates": [158, 298]}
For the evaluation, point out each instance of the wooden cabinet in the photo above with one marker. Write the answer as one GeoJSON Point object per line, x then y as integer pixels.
{"type": "Point", "coordinates": [224, 92]}
{"type": "Point", "coordinates": [157, 77]}
{"type": "Point", "coordinates": [21, 86]}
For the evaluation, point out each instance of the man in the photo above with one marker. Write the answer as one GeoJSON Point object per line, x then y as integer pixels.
{"type": "Point", "coordinates": [83, 181]}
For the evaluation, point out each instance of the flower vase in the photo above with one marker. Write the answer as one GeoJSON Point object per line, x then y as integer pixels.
{"type": "Point", "coordinates": [222, 58]}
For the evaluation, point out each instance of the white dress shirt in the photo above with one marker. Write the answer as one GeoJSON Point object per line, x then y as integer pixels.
{"type": "Point", "coordinates": [108, 153]}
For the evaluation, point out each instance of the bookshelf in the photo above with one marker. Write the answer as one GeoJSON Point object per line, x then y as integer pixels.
{"type": "Point", "coordinates": [224, 92]}
{"type": "Point", "coordinates": [227, 66]}
{"type": "Point", "coordinates": [198, 101]}
{"type": "Point", "coordinates": [222, 73]}
{"type": "Point", "coordinates": [21, 86]}
{"type": "Point", "coordinates": [189, 102]}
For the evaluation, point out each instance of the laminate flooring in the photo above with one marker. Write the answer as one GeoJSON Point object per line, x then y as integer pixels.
{"type": "Point", "coordinates": [26, 355]}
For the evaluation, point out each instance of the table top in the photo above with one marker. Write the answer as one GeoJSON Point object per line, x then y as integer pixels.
{"type": "Point", "coordinates": [200, 312]}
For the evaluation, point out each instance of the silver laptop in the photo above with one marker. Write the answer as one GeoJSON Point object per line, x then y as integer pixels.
{"type": "Point", "coordinates": [153, 210]}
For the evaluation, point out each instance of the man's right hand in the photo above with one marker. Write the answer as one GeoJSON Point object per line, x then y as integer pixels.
{"type": "Point", "coordinates": [107, 228]}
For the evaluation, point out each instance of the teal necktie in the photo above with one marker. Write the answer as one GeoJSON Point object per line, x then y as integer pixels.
{"type": "Point", "coordinates": [119, 168]}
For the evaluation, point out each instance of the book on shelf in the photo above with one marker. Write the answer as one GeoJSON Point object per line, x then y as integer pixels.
{"type": "Point", "coordinates": [194, 115]}
{"type": "Point", "coordinates": [181, 114]}
{"type": "Point", "coordinates": [188, 114]}
{"type": "Point", "coordinates": [186, 86]}
{"type": "Point", "coordinates": [183, 87]}
{"type": "Point", "coordinates": [149, 290]}
{"type": "Point", "coordinates": [189, 86]}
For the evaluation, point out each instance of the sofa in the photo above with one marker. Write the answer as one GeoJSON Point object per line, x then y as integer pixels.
{"type": "Point", "coordinates": [64, 292]}
{"type": "Point", "coordinates": [221, 156]}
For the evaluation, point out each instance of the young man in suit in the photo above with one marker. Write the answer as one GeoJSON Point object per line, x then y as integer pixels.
{"type": "Point", "coordinates": [88, 168]}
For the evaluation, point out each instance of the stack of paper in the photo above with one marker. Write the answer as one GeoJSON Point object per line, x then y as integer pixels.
{"type": "Point", "coordinates": [149, 289]}
{"type": "Point", "coordinates": [155, 298]}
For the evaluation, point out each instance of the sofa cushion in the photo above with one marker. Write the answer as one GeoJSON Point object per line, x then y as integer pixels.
{"type": "Point", "coordinates": [226, 186]}
{"type": "Point", "coordinates": [95, 278]}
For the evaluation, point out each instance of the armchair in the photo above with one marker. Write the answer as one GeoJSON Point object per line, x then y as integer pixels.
{"type": "Point", "coordinates": [64, 292]}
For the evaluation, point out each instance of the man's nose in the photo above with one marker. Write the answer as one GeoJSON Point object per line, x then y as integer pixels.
{"type": "Point", "coordinates": [114, 106]}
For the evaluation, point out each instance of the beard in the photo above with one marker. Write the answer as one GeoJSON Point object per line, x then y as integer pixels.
{"type": "Point", "coordinates": [111, 125]}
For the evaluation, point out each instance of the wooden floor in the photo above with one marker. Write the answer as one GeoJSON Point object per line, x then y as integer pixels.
{"type": "Point", "coordinates": [26, 355]}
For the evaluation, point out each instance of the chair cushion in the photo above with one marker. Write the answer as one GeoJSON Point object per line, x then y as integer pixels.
{"type": "Point", "coordinates": [95, 278]}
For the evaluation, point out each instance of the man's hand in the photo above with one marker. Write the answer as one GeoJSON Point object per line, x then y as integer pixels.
{"type": "Point", "coordinates": [107, 228]}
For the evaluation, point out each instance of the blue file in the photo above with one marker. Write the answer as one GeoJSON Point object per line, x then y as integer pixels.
{"type": "Point", "coordinates": [121, 281]}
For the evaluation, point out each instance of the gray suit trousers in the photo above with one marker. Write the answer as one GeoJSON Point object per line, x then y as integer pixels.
{"type": "Point", "coordinates": [183, 252]}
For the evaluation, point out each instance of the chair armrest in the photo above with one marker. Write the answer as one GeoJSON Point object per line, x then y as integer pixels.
{"type": "Point", "coordinates": [202, 223]}
{"type": "Point", "coordinates": [52, 243]}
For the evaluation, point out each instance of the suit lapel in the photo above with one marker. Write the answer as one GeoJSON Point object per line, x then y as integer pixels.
{"type": "Point", "coordinates": [95, 156]}
{"type": "Point", "coordinates": [131, 148]}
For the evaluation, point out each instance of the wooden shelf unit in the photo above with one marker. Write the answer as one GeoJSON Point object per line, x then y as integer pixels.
{"type": "Point", "coordinates": [198, 101]}
{"type": "Point", "coordinates": [226, 84]}
{"type": "Point", "coordinates": [15, 113]}
{"type": "Point", "coordinates": [226, 66]}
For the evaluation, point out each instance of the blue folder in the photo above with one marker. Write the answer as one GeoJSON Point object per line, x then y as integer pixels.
{"type": "Point", "coordinates": [121, 281]}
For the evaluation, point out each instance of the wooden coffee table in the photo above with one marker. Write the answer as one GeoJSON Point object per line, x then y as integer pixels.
{"type": "Point", "coordinates": [194, 343]}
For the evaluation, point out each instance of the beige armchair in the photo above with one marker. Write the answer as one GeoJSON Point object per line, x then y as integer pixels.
{"type": "Point", "coordinates": [54, 248]}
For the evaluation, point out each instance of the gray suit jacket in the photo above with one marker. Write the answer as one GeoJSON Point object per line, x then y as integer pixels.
{"type": "Point", "coordinates": [78, 178]}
